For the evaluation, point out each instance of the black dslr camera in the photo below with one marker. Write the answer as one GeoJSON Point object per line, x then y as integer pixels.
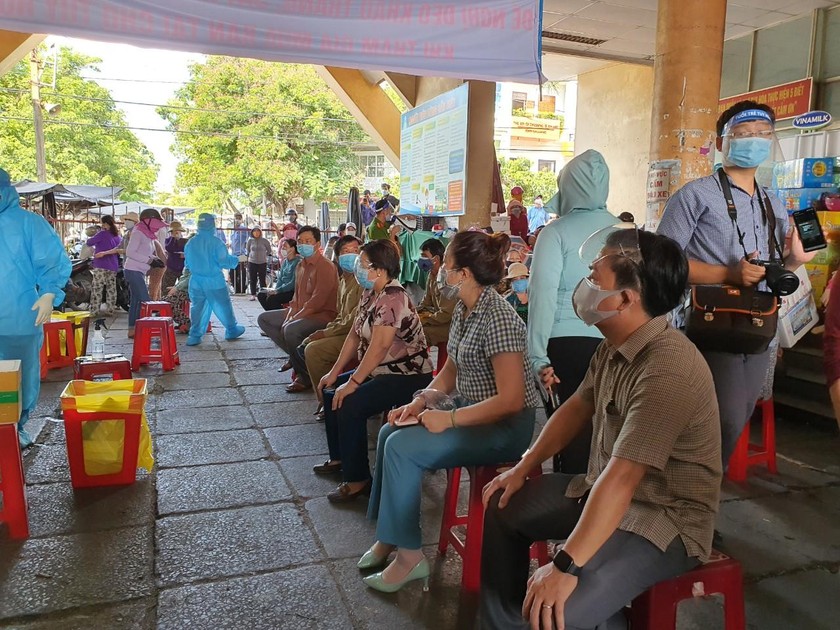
{"type": "Point", "coordinates": [779, 280]}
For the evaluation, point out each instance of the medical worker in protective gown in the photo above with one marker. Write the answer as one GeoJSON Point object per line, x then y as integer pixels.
{"type": "Point", "coordinates": [34, 268]}
{"type": "Point", "coordinates": [206, 256]}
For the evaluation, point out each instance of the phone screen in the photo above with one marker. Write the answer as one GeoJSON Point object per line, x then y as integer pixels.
{"type": "Point", "coordinates": [810, 230]}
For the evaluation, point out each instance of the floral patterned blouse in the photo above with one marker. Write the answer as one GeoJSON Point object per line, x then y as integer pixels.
{"type": "Point", "coordinates": [392, 307]}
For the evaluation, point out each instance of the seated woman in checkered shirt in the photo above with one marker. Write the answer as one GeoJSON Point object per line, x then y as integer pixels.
{"type": "Point", "coordinates": [491, 424]}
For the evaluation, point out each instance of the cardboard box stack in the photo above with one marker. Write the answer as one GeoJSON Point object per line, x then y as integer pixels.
{"type": "Point", "coordinates": [801, 184]}
{"type": "Point", "coordinates": [10, 394]}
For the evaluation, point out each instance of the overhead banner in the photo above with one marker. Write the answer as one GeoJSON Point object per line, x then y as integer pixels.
{"type": "Point", "coordinates": [493, 40]}
{"type": "Point", "coordinates": [433, 155]}
{"type": "Point", "coordinates": [788, 100]}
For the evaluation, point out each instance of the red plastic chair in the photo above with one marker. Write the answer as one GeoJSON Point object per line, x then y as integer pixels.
{"type": "Point", "coordinates": [147, 329]}
{"type": "Point", "coordinates": [56, 353]}
{"type": "Point", "coordinates": [116, 366]}
{"type": "Point", "coordinates": [155, 309]}
{"type": "Point", "coordinates": [747, 454]}
{"type": "Point", "coordinates": [14, 512]}
{"type": "Point", "coordinates": [470, 548]}
{"type": "Point", "coordinates": [656, 608]}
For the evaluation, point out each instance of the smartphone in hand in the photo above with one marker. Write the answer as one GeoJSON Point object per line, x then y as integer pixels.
{"type": "Point", "coordinates": [810, 231]}
{"type": "Point", "coordinates": [408, 421]}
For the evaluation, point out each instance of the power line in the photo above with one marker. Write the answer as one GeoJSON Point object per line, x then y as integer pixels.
{"type": "Point", "coordinates": [134, 80]}
{"type": "Point", "coordinates": [206, 134]}
{"type": "Point", "coordinates": [178, 107]}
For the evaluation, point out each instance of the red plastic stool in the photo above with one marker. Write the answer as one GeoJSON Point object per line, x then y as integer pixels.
{"type": "Point", "coordinates": [187, 310]}
{"type": "Point", "coordinates": [12, 486]}
{"type": "Point", "coordinates": [656, 608]}
{"type": "Point", "coordinates": [441, 358]}
{"type": "Point", "coordinates": [56, 353]}
{"type": "Point", "coordinates": [161, 328]}
{"type": "Point", "coordinates": [764, 453]}
{"type": "Point", "coordinates": [113, 367]}
{"type": "Point", "coordinates": [470, 548]}
{"type": "Point", "coordinates": [155, 309]}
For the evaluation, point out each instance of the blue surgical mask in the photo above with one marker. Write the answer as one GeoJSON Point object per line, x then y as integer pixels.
{"type": "Point", "coordinates": [520, 285]}
{"type": "Point", "coordinates": [305, 250]}
{"type": "Point", "coordinates": [748, 152]}
{"type": "Point", "coordinates": [425, 264]}
{"type": "Point", "coordinates": [347, 262]}
{"type": "Point", "coordinates": [362, 276]}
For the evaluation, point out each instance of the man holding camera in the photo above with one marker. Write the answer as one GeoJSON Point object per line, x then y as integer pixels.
{"type": "Point", "coordinates": [741, 246]}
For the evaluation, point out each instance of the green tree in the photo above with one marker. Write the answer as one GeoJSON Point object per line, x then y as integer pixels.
{"type": "Point", "coordinates": [86, 141]}
{"type": "Point", "coordinates": [251, 130]}
{"type": "Point", "coordinates": [517, 172]}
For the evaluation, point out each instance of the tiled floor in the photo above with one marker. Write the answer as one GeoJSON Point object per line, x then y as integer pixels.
{"type": "Point", "coordinates": [232, 529]}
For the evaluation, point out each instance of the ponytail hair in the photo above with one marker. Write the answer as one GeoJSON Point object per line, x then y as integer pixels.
{"type": "Point", "coordinates": [483, 254]}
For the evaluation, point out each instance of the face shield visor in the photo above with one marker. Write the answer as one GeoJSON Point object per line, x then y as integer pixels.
{"type": "Point", "coordinates": [749, 141]}
{"type": "Point", "coordinates": [620, 240]}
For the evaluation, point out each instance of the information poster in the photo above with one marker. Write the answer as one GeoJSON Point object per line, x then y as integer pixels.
{"type": "Point", "coordinates": [433, 156]}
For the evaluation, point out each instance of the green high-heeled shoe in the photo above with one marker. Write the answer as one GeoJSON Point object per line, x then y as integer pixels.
{"type": "Point", "coordinates": [421, 571]}
{"type": "Point", "coordinates": [371, 561]}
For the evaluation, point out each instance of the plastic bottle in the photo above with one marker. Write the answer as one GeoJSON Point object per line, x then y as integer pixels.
{"type": "Point", "coordinates": [98, 352]}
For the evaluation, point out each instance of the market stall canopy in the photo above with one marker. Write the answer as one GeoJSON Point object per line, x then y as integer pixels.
{"type": "Point", "coordinates": [438, 38]}
{"type": "Point", "coordinates": [92, 194]}
{"type": "Point", "coordinates": [65, 193]}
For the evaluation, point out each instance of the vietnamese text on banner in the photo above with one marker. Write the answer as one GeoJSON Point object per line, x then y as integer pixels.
{"type": "Point", "coordinates": [492, 40]}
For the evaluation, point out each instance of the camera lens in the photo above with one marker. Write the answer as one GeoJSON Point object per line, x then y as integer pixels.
{"type": "Point", "coordinates": [781, 281]}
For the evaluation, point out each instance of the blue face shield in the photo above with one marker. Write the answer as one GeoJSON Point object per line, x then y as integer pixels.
{"type": "Point", "coordinates": [361, 274]}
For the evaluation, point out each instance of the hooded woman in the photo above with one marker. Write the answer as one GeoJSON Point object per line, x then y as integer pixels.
{"type": "Point", "coordinates": [560, 345]}
{"type": "Point", "coordinates": [206, 256]}
{"type": "Point", "coordinates": [143, 247]}
{"type": "Point", "coordinates": [35, 268]}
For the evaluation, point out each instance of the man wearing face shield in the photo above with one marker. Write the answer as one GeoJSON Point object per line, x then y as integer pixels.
{"type": "Point", "coordinates": [644, 511]}
{"type": "Point", "coordinates": [697, 218]}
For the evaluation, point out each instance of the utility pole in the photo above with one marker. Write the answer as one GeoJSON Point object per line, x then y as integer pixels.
{"type": "Point", "coordinates": [38, 116]}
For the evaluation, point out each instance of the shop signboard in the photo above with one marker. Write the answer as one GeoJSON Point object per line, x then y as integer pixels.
{"type": "Point", "coordinates": [433, 155]}
{"type": "Point", "coordinates": [812, 120]}
{"type": "Point", "coordinates": [788, 100]}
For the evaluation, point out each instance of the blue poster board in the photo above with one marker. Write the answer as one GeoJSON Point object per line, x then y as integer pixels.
{"type": "Point", "coordinates": [433, 156]}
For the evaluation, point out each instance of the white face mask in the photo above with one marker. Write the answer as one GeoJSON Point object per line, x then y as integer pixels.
{"type": "Point", "coordinates": [586, 299]}
{"type": "Point", "coordinates": [351, 232]}
{"type": "Point", "coordinates": [129, 224]}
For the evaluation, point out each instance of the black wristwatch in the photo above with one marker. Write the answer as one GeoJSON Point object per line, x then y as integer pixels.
{"type": "Point", "coordinates": [565, 564]}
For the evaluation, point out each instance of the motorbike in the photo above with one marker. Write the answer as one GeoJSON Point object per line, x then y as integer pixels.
{"type": "Point", "coordinates": [78, 288]}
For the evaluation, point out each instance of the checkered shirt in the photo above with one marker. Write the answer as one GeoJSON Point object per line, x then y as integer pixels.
{"type": "Point", "coordinates": [493, 327]}
{"type": "Point", "coordinates": [655, 404]}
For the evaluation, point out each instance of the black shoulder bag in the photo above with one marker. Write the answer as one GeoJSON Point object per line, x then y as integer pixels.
{"type": "Point", "coordinates": [736, 320]}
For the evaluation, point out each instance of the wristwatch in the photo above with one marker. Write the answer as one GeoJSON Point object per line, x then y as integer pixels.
{"type": "Point", "coordinates": [565, 564]}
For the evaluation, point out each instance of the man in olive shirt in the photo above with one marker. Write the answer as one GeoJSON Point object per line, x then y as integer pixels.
{"type": "Point", "coordinates": [321, 348]}
{"type": "Point", "coordinates": [435, 311]}
{"type": "Point", "coordinates": [312, 307]}
{"type": "Point", "coordinates": [644, 512]}
{"type": "Point", "coordinates": [381, 227]}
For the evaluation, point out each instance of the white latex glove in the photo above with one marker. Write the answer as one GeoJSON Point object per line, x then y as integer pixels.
{"type": "Point", "coordinates": [44, 306]}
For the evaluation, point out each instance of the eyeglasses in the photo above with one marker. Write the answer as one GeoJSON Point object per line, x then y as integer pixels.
{"type": "Point", "coordinates": [765, 135]}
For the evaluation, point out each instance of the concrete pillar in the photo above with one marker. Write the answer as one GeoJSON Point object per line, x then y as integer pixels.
{"type": "Point", "coordinates": [481, 154]}
{"type": "Point", "coordinates": [689, 50]}
{"type": "Point", "coordinates": [369, 105]}
{"type": "Point", "coordinates": [15, 46]}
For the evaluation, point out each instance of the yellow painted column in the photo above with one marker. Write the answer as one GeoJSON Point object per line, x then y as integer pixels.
{"type": "Point", "coordinates": [15, 46]}
{"type": "Point", "coordinates": [369, 105]}
{"type": "Point", "coordinates": [481, 154]}
{"type": "Point", "coordinates": [686, 90]}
